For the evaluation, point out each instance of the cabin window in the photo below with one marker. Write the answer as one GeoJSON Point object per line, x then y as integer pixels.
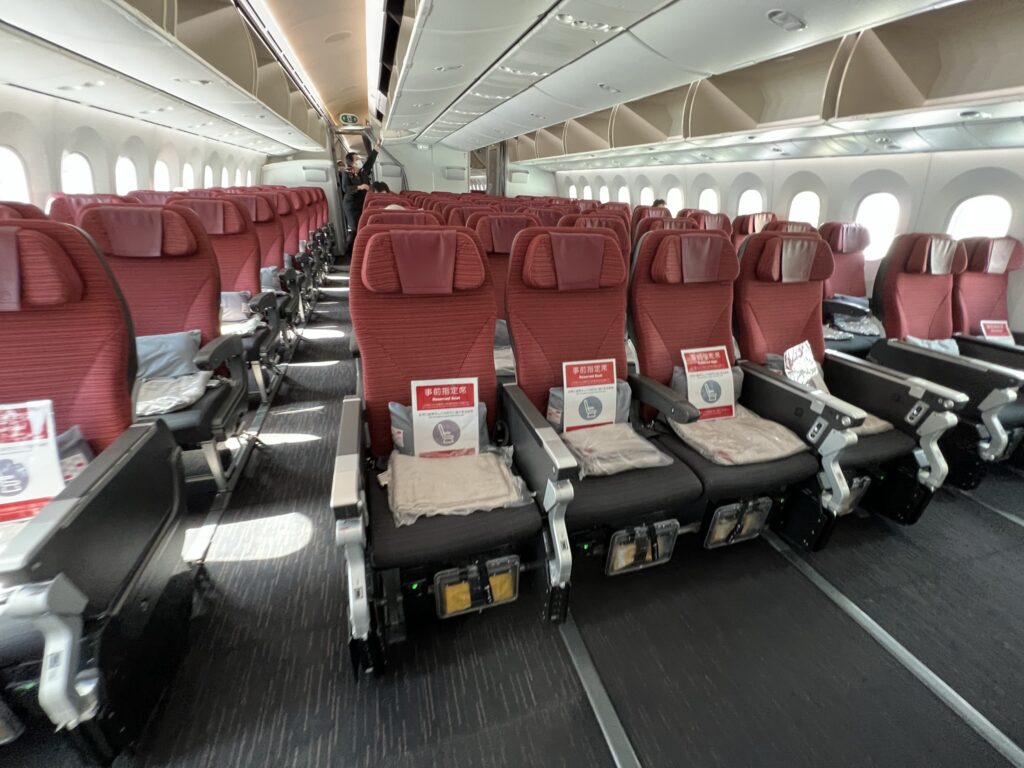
{"type": "Point", "coordinates": [248, 178]}
{"type": "Point", "coordinates": [981, 216]}
{"type": "Point", "coordinates": [13, 178]}
{"type": "Point", "coordinates": [76, 174]}
{"type": "Point", "coordinates": [238, 177]}
{"type": "Point", "coordinates": [572, 191]}
{"type": "Point", "coordinates": [674, 200]}
{"type": "Point", "coordinates": [880, 213]}
{"type": "Point", "coordinates": [126, 176]}
{"type": "Point", "coordinates": [646, 196]}
{"type": "Point", "coordinates": [225, 177]}
{"type": "Point", "coordinates": [588, 193]}
{"type": "Point", "coordinates": [708, 201]}
{"type": "Point", "coordinates": [207, 177]}
{"type": "Point", "coordinates": [161, 176]}
{"type": "Point", "coordinates": [751, 201]}
{"type": "Point", "coordinates": [623, 196]}
{"type": "Point", "coordinates": [603, 194]}
{"type": "Point", "coordinates": [188, 176]}
{"type": "Point", "coordinates": [806, 206]}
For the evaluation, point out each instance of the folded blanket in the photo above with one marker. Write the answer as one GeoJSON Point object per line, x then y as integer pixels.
{"type": "Point", "coordinates": [611, 449]}
{"type": "Point", "coordinates": [746, 438]}
{"type": "Point", "coordinates": [165, 395]}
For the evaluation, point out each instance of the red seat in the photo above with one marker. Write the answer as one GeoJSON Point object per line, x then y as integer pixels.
{"type": "Point", "coordinates": [391, 218]}
{"type": "Point", "coordinates": [717, 221]}
{"type": "Point", "coordinates": [645, 212]}
{"type": "Point", "coordinates": [914, 288]}
{"type": "Point", "coordinates": [689, 213]}
{"type": "Point", "coordinates": [12, 210]}
{"type": "Point", "coordinates": [847, 240]}
{"type": "Point", "coordinates": [65, 307]}
{"type": "Point", "coordinates": [233, 237]}
{"type": "Point", "coordinates": [458, 215]}
{"type": "Point", "coordinates": [795, 227]}
{"type": "Point", "coordinates": [497, 232]}
{"type": "Point", "coordinates": [750, 224]}
{"type": "Point", "coordinates": [611, 221]}
{"type": "Point", "coordinates": [151, 196]}
{"type": "Point", "coordinates": [979, 293]}
{"type": "Point", "coordinates": [67, 208]}
{"type": "Point", "coordinates": [260, 207]}
{"type": "Point", "coordinates": [651, 224]}
{"type": "Point", "coordinates": [587, 205]}
{"type": "Point", "coordinates": [303, 215]}
{"type": "Point", "coordinates": [289, 223]}
{"type": "Point", "coordinates": [548, 217]}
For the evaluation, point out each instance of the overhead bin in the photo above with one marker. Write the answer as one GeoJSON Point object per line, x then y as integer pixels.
{"type": "Point", "coordinates": [589, 133]}
{"type": "Point", "coordinates": [649, 120]}
{"type": "Point", "coordinates": [550, 141]}
{"type": "Point", "coordinates": [220, 36]}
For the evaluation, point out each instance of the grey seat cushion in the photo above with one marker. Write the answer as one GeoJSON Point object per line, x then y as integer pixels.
{"type": "Point", "coordinates": [631, 496]}
{"type": "Point", "coordinates": [20, 642]}
{"type": "Point", "coordinates": [723, 483]}
{"type": "Point", "coordinates": [1013, 415]}
{"type": "Point", "coordinates": [876, 449]}
{"type": "Point", "coordinates": [195, 425]}
{"type": "Point", "coordinates": [440, 540]}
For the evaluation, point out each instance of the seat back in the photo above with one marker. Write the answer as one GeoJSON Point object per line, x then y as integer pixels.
{"type": "Point", "coordinates": [611, 221]}
{"type": "Point", "coordinates": [680, 297]}
{"type": "Point", "coordinates": [847, 239]}
{"type": "Point", "coordinates": [778, 293]}
{"type": "Point", "coordinates": [302, 216]}
{"type": "Point", "coordinates": [261, 209]}
{"type": "Point", "coordinates": [796, 227]}
{"type": "Point", "coordinates": [12, 210]}
{"type": "Point", "coordinates": [979, 292]}
{"type": "Point", "coordinates": [164, 263]}
{"type": "Point", "coordinates": [458, 215]}
{"type": "Point", "coordinates": [913, 291]}
{"type": "Point", "coordinates": [547, 216]}
{"type": "Point", "coordinates": [67, 326]}
{"type": "Point", "coordinates": [750, 224]}
{"type": "Point", "coordinates": [497, 232]}
{"type": "Point", "coordinates": [566, 301]}
{"type": "Point", "coordinates": [382, 200]}
{"type": "Point", "coordinates": [623, 209]}
{"type": "Point", "coordinates": [412, 283]}
{"type": "Point", "coordinates": [289, 221]}
{"type": "Point", "coordinates": [717, 221]}
{"type": "Point", "coordinates": [653, 224]}
{"type": "Point", "coordinates": [586, 205]}
{"type": "Point", "coordinates": [151, 196]}
{"type": "Point", "coordinates": [689, 213]}
{"type": "Point", "coordinates": [67, 208]}
{"type": "Point", "coordinates": [233, 237]}
{"type": "Point", "coordinates": [391, 218]}
{"type": "Point", "coordinates": [647, 212]}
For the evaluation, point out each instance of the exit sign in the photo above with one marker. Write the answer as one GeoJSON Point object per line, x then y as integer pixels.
{"type": "Point", "coordinates": [348, 119]}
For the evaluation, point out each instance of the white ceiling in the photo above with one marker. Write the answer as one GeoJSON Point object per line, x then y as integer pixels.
{"type": "Point", "coordinates": [647, 46]}
{"type": "Point", "coordinates": [146, 73]}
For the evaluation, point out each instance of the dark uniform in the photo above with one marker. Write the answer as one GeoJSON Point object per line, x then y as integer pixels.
{"type": "Point", "coordinates": [353, 197]}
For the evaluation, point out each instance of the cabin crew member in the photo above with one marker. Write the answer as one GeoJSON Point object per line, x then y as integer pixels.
{"type": "Point", "coordinates": [355, 183]}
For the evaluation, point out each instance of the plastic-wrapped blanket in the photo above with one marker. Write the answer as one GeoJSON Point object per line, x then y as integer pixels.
{"type": "Point", "coordinates": [165, 395]}
{"type": "Point", "coordinates": [872, 426]}
{"type": "Point", "coordinates": [242, 327]}
{"type": "Point", "coordinates": [611, 449]}
{"type": "Point", "coordinates": [861, 326]}
{"type": "Point", "coordinates": [746, 438]}
{"type": "Point", "coordinates": [457, 485]}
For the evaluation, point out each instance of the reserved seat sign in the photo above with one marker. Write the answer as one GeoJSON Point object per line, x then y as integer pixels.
{"type": "Point", "coordinates": [445, 417]}
{"type": "Point", "coordinates": [30, 471]}
{"type": "Point", "coordinates": [589, 387]}
{"type": "Point", "coordinates": [709, 385]}
{"type": "Point", "coordinates": [997, 331]}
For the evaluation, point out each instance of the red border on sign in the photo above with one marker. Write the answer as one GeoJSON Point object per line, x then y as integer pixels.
{"type": "Point", "coordinates": [21, 510]}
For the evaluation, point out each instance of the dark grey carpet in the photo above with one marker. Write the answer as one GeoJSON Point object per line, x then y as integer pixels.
{"type": "Point", "coordinates": [267, 680]}
{"type": "Point", "coordinates": [949, 589]}
{"type": "Point", "coordinates": [732, 658]}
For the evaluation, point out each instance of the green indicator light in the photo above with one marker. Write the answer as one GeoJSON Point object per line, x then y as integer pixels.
{"type": "Point", "coordinates": [415, 586]}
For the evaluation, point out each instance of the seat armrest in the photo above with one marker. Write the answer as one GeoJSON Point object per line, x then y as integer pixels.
{"type": "Point", "coordinates": [838, 306]}
{"type": "Point", "coordinates": [669, 402]}
{"type": "Point", "coordinates": [347, 481]}
{"type": "Point", "coordinates": [807, 412]}
{"type": "Point", "coordinates": [980, 348]}
{"type": "Point", "coordinates": [263, 302]}
{"type": "Point", "coordinates": [539, 452]}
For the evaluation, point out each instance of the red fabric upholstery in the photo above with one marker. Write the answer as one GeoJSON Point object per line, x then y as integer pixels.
{"type": "Point", "coordinates": [775, 311]}
{"type": "Point", "coordinates": [423, 261]}
{"type": "Point", "coordinates": [459, 214]}
{"type": "Point", "coordinates": [689, 213]}
{"type": "Point", "coordinates": [72, 338]}
{"type": "Point", "coordinates": [151, 196]}
{"type": "Point", "coordinates": [717, 221]}
{"type": "Point", "coordinates": [382, 200]}
{"type": "Point", "coordinates": [652, 224]}
{"type": "Point", "coordinates": [847, 239]}
{"type": "Point", "coordinates": [67, 208]}
{"type": "Point", "coordinates": [12, 210]}
{"type": "Point", "coordinates": [400, 217]}
{"type": "Point", "coordinates": [391, 327]}
{"type": "Point", "coordinates": [141, 231]}
{"type": "Point", "coordinates": [646, 212]}
{"type": "Point", "coordinates": [750, 224]}
{"type": "Point", "coordinates": [916, 289]}
{"type": "Point", "coordinates": [793, 227]}
{"type": "Point", "coordinates": [262, 210]}
{"type": "Point", "coordinates": [548, 217]}
{"type": "Point", "coordinates": [508, 225]}
{"type": "Point", "coordinates": [605, 220]}
{"type": "Point", "coordinates": [233, 237]}
{"type": "Point", "coordinates": [34, 272]}
{"type": "Point", "coordinates": [289, 223]}
{"type": "Point", "coordinates": [549, 326]}
{"type": "Point", "coordinates": [671, 312]}
{"type": "Point", "coordinates": [621, 208]}
{"type": "Point", "coordinates": [177, 290]}
{"type": "Point", "coordinates": [979, 293]}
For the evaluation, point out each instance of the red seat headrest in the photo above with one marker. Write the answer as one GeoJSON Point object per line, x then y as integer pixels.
{"type": "Point", "coordinates": [692, 256]}
{"type": "Point", "coordinates": [35, 271]}
{"type": "Point", "coordinates": [68, 208]}
{"type": "Point", "coordinates": [423, 262]}
{"type": "Point", "coordinates": [257, 206]}
{"type": "Point", "coordinates": [713, 221]}
{"type": "Point", "coordinates": [574, 261]}
{"type": "Point", "coordinates": [11, 210]}
{"type": "Point", "coordinates": [139, 231]}
{"type": "Point", "coordinates": [994, 255]}
{"type": "Point", "coordinates": [936, 255]}
{"type": "Point", "coordinates": [218, 216]}
{"type": "Point", "coordinates": [845, 236]}
{"type": "Point", "coordinates": [497, 231]}
{"type": "Point", "coordinates": [793, 227]}
{"type": "Point", "coordinates": [752, 223]}
{"type": "Point", "coordinates": [402, 217]}
{"type": "Point", "coordinates": [151, 196]}
{"type": "Point", "coordinates": [794, 259]}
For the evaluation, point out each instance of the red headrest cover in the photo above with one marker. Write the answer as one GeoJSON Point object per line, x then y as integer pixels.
{"type": "Point", "coordinates": [10, 210]}
{"type": "Point", "coordinates": [994, 255]}
{"type": "Point", "coordinates": [425, 262]}
{"type": "Point", "coordinates": [257, 206]}
{"type": "Point", "coordinates": [592, 219]}
{"type": "Point", "coordinates": [794, 259]}
{"type": "Point", "coordinates": [574, 261]}
{"type": "Point", "coordinates": [935, 254]}
{"type": "Point", "coordinates": [793, 227]}
{"type": "Point", "coordinates": [504, 230]}
{"type": "Point", "coordinates": [139, 231]}
{"type": "Point", "coordinates": [67, 208]}
{"type": "Point", "coordinates": [845, 236]}
{"type": "Point", "coordinates": [713, 221]}
{"type": "Point", "coordinates": [35, 272]}
{"type": "Point", "coordinates": [219, 217]}
{"type": "Point", "coordinates": [151, 196]}
{"type": "Point", "coordinates": [693, 256]}
{"type": "Point", "coordinates": [752, 223]}
{"type": "Point", "coordinates": [402, 217]}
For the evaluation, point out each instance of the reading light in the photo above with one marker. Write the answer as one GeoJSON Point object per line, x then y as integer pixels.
{"type": "Point", "coordinates": [488, 96]}
{"type": "Point", "coordinates": [787, 21]}
{"type": "Point", "coordinates": [447, 67]}
{"type": "Point", "coordinates": [522, 72]}
{"type": "Point", "coordinates": [973, 114]}
{"type": "Point", "coordinates": [609, 88]}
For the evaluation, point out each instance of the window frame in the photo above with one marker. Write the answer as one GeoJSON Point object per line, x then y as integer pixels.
{"type": "Point", "coordinates": [23, 193]}
{"type": "Point", "coordinates": [991, 196]}
{"type": "Point", "coordinates": [703, 206]}
{"type": "Point", "coordinates": [876, 246]}
{"type": "Point", "coordinates": [64, 159]}
{"type": "Point", "coordinates": [750, 191]}
{"type": "Point", "coordinates": [119, 164]}
{"type": "Point", "coordinates": [793, 217]}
